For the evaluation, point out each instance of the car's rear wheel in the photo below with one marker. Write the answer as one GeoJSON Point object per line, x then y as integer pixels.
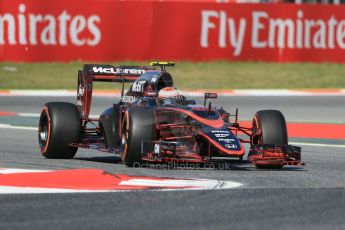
{"type": "Point", "coordinates": [59, 126]}
{"type": "Point", "coordinates": [269, 127]}
{"type": "Point", "coordinates": [138, 125]}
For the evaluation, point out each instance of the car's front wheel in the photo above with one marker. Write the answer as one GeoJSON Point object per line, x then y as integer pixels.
{"type": "Point", "coordinates": [269, 127]}
{"type": "Point", "coordinates": [138, 125]}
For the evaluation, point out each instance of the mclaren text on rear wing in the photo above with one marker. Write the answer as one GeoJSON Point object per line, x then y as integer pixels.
{"type": "Point", "coordinates": [115, 74]}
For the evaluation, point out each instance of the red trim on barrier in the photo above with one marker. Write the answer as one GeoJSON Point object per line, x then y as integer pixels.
{"type": "Point", "coordinates": [4, 113]}
{"type": "Point", "coordinates": [4, 92]}
{"type": "Point", "coordinates": [318, 91]}
{"type": "Point", "coordinates": [330, 131]}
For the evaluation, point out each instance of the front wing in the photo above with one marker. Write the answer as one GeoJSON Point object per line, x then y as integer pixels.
{"type": "Point", "coordinates": [275, 155]}
{"type": "Point", "coordinates": [259, 155]}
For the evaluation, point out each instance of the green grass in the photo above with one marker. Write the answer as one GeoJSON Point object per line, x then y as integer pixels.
{"type": "Point", "coordinates": [187, 75]}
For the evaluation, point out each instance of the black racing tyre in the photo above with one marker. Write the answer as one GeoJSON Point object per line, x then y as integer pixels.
{"type": "Point", "coordinates": [138, 125]}
{"type": "Point", "coordinates": [273, 130]}
{"type": "Point", "coordinates": [59, 126]}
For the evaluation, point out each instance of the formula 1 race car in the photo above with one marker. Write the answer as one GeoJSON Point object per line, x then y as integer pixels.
{"type": "Point", "coordinates": [152, 122]}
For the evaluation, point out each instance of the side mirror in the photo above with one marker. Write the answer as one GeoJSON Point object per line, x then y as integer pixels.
{"type": "Point", "coordinates": [209, 96]}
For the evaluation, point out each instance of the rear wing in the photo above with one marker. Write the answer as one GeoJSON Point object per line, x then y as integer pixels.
{"type": "Point", "coordinates": [109, 73]}
{"type": "Point", "coordinates": [103, 73]}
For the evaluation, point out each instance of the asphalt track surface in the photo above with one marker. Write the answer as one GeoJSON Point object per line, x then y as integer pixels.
{"type": "Point", "coordinates": [322, 109]}
{"type": "Point", "coordinates": [292, 198]}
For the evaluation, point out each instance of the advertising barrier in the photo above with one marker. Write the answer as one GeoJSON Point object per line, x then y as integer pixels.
{"type": "Point", "coordinates": [99, 30]}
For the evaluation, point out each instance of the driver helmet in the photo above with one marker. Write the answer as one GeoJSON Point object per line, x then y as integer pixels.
{"type": "Point", "coordinates": [169, 95]}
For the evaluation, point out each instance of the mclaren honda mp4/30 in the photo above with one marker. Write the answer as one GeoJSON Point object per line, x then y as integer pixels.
{"type": "Point", "coordinates": [153, 123]}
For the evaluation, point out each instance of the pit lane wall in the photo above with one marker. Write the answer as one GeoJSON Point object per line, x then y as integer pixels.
{"type": "Point", "coordinates": [99, 30]}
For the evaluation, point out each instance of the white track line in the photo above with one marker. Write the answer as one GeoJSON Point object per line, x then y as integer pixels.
{"type": "Point", "coordinates": [52, 93]}
{"type": "Point", "coordinates": [6, 126]}
{"type": "Point", "coordinates": [319, 145]}
{"type": "Point", "coordinates": [28, 114]}
{"type": "Point", "coordinates": [14, 170]}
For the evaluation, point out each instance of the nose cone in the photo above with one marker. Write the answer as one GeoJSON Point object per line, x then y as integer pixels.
{"type": "Point", "coordinates": [225, 141]}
